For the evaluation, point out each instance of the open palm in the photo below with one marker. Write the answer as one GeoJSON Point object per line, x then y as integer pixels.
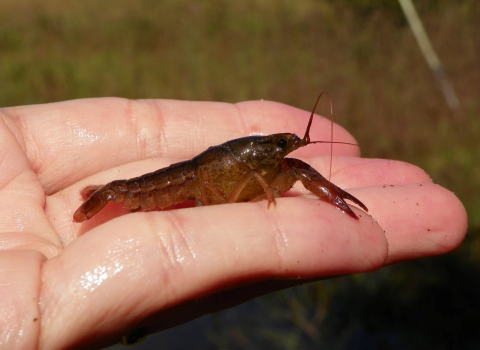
{"type": "Point", "coordinates": [65, 284]}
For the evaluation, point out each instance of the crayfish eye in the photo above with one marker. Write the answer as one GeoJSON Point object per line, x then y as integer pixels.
{"type": "Point", "coordinates": [282, 143]}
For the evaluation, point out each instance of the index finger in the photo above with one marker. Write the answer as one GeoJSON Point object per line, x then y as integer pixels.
{"type": "Point", "coordinates": [67, 141]}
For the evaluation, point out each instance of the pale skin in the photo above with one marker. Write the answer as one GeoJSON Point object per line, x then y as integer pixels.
{"type": "Point", "coordinates": [71, 285]}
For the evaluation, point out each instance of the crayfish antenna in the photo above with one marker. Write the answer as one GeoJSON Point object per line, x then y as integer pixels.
{"type": "Point", "coordinates": [306, 138]}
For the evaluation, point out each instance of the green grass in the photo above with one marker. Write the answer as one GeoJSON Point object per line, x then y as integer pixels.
{"type": "Point", "coordinates": [361, 51]}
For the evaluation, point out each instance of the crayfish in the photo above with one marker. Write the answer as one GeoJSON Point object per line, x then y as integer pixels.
{"type": "Point", "coordinates": [247, 169]}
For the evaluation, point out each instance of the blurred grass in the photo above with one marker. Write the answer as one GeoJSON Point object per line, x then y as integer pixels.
{"type": "Point", "coordinates": [361, 51]}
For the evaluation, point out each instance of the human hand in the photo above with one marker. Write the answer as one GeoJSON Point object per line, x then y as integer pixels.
{"type": "Point", "coordinates": [70, 285]}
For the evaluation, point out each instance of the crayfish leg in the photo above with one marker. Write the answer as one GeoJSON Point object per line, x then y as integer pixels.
{"type": "Point", "coordinates": [269, 193]}
{"type": "Point", "coordinates": [207, 185]}
{"type": "Point", "coordinates": [295, 169]}
{"type": "Point", "coordinates": [88, 191]}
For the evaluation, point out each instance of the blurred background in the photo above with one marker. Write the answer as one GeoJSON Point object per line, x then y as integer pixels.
{"type": "Point", "coordinates": [364, 54]}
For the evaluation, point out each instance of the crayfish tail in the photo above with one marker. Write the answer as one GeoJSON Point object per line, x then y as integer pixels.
{"type": "Point", "coordinates": [88, 191]}
{"type": "Point", "coordinates": [92, 205]}
{"type": "Point", "coordinates": [88, 209]}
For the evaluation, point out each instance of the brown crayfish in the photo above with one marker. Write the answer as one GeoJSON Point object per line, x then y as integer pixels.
{"type": "Point", "coordinates": [247, 169]}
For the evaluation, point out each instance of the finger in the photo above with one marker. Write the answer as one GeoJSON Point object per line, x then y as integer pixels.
{"type": "Point", "coordinates": [412, 233]}
{"type": "Point", "coordinates": [419, 220]}
{"type": "Point", "coordinates": [348, 172]}
{"type": "Point", "coordinates": [434, 200]}
{"type": "Point", "coordinates": [30, 241]}
{"type": "Point", "coordinates": [362, 172]}
{"type": "Point", "coordinates": [70, 140]}
{"type": "Point", "coordinates": [388, 188]}
{"type": "Point", "coordinates": [133, 266]}
{"type": "Point", "coordinates": [351, 172]}
{"type": "Point", "coordinates": [22, 198]}
{"type": "Point", "coordinates": [20, 283]}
